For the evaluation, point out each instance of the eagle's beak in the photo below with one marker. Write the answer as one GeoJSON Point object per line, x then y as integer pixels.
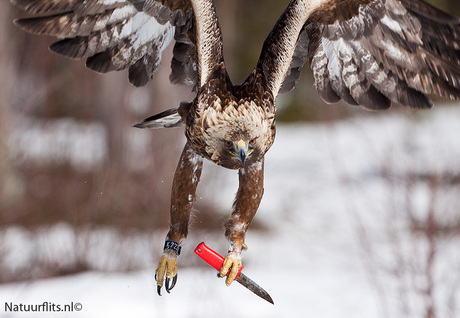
{"type": "Point", "coordinates": [242, 152]}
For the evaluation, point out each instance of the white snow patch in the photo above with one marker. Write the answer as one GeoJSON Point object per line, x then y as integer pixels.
{"type": "Point", "coordinates": [82, 144]}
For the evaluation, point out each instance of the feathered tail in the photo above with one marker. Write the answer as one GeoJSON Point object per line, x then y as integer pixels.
{"type": "Point", "coordinates": [167, 119]}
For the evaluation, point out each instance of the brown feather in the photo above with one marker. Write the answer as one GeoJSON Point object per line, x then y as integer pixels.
{"type": "Point", "coordinates": [337, 10]}
{"type": "Point", "coordinates": [51, 7]}
{"type": "Point", "coordinates": [371, 61]}
{"type": "Point", "coordinates": [247, 200]}
{"type": "Point", "coordinates": [186, 179]}
{"type": "Point", "coordinates": [100, 31]}
{"type": "Point", "coordinates": [174, 5]}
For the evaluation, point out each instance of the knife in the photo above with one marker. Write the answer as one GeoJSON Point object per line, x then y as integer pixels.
{"type": "Point", "coordinates": [215, 260]}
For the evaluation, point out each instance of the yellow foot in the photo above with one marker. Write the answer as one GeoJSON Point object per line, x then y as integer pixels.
{"type": "Point", "coordinates": [167, 266]}
{"type": "Point", "coordinates": [232, 263]}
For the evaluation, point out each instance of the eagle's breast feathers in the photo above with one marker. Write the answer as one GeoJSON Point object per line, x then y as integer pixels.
{"type": "Point", "coordinates": [224, 113]}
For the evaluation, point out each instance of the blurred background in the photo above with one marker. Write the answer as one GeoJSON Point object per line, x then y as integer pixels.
{"type": "Point", "coordinates": [76, 178]}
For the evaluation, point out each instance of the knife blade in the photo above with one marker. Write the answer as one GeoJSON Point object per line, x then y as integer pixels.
{"type": "Point", "coordinates": [215, 260]}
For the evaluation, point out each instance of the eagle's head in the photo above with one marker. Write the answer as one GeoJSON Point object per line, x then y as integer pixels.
{"type": "Point", "coordinates": [238, 134]}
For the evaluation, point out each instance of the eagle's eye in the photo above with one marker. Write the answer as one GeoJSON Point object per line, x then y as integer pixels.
{"type": "Point", "coordinates": [228, 144]}
{"type": "Point", "coordinates": [252, 142]}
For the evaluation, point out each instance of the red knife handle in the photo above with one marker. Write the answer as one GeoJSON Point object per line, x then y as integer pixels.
{"type": "Point", "coordinates": [211, 257]}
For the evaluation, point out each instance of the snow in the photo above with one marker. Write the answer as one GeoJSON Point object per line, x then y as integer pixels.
{"type": "Point", "coordinates": [82, 145]}
{"type": "Point", "coordinates": [337, 207]}
{"type": "Point", "coordinates": [315, 289]}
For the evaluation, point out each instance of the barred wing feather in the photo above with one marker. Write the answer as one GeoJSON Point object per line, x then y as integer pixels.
{"type": "Point", "coordinates": [375, 52]}
{"type": "Point", "coordinates": [114, 34]}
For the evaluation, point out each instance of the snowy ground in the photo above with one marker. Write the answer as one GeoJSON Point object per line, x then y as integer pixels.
{"type": "Point", "coordinates": [338, 207]}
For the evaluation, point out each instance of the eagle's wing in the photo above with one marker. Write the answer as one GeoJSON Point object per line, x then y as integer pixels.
{"type": "Point", "coordinates": [374, 52]}
{"type": "Point", "coordinates": [117, 34]}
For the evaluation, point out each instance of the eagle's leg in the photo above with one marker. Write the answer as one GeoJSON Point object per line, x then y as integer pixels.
{"type": "Point", "coordinates": [248, 197]}
{"type": "Point", "coordinates": [186, 179]}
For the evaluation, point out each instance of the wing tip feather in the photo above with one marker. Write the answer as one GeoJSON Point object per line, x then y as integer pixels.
{"type": "Point", "coordinates": [168, 119]}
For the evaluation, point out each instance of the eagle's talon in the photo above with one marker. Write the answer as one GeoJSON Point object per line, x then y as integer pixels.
{"type": "Point", "coordinates": [231, 266]}
{"type": "Point", "coordinates": [173, 283]}
{"type": "Point", "coordinates": [167, 267]}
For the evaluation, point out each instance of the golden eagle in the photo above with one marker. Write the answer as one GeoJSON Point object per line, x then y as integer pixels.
{"type": "Point", "coordinates": [364, 52]}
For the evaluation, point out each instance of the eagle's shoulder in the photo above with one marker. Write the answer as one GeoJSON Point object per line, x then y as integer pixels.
{"type": "Point", "coordinates": [330, 11]}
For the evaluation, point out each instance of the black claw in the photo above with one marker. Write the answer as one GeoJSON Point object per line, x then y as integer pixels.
{"type": "Point", "coordinates": [174, 280]}
{"type": "Point", "coordinates": [159, 289]}
{"type": "Point", "coordinates": [167, 285]}
{"type": "Point", "coordinates": [218, 275]}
